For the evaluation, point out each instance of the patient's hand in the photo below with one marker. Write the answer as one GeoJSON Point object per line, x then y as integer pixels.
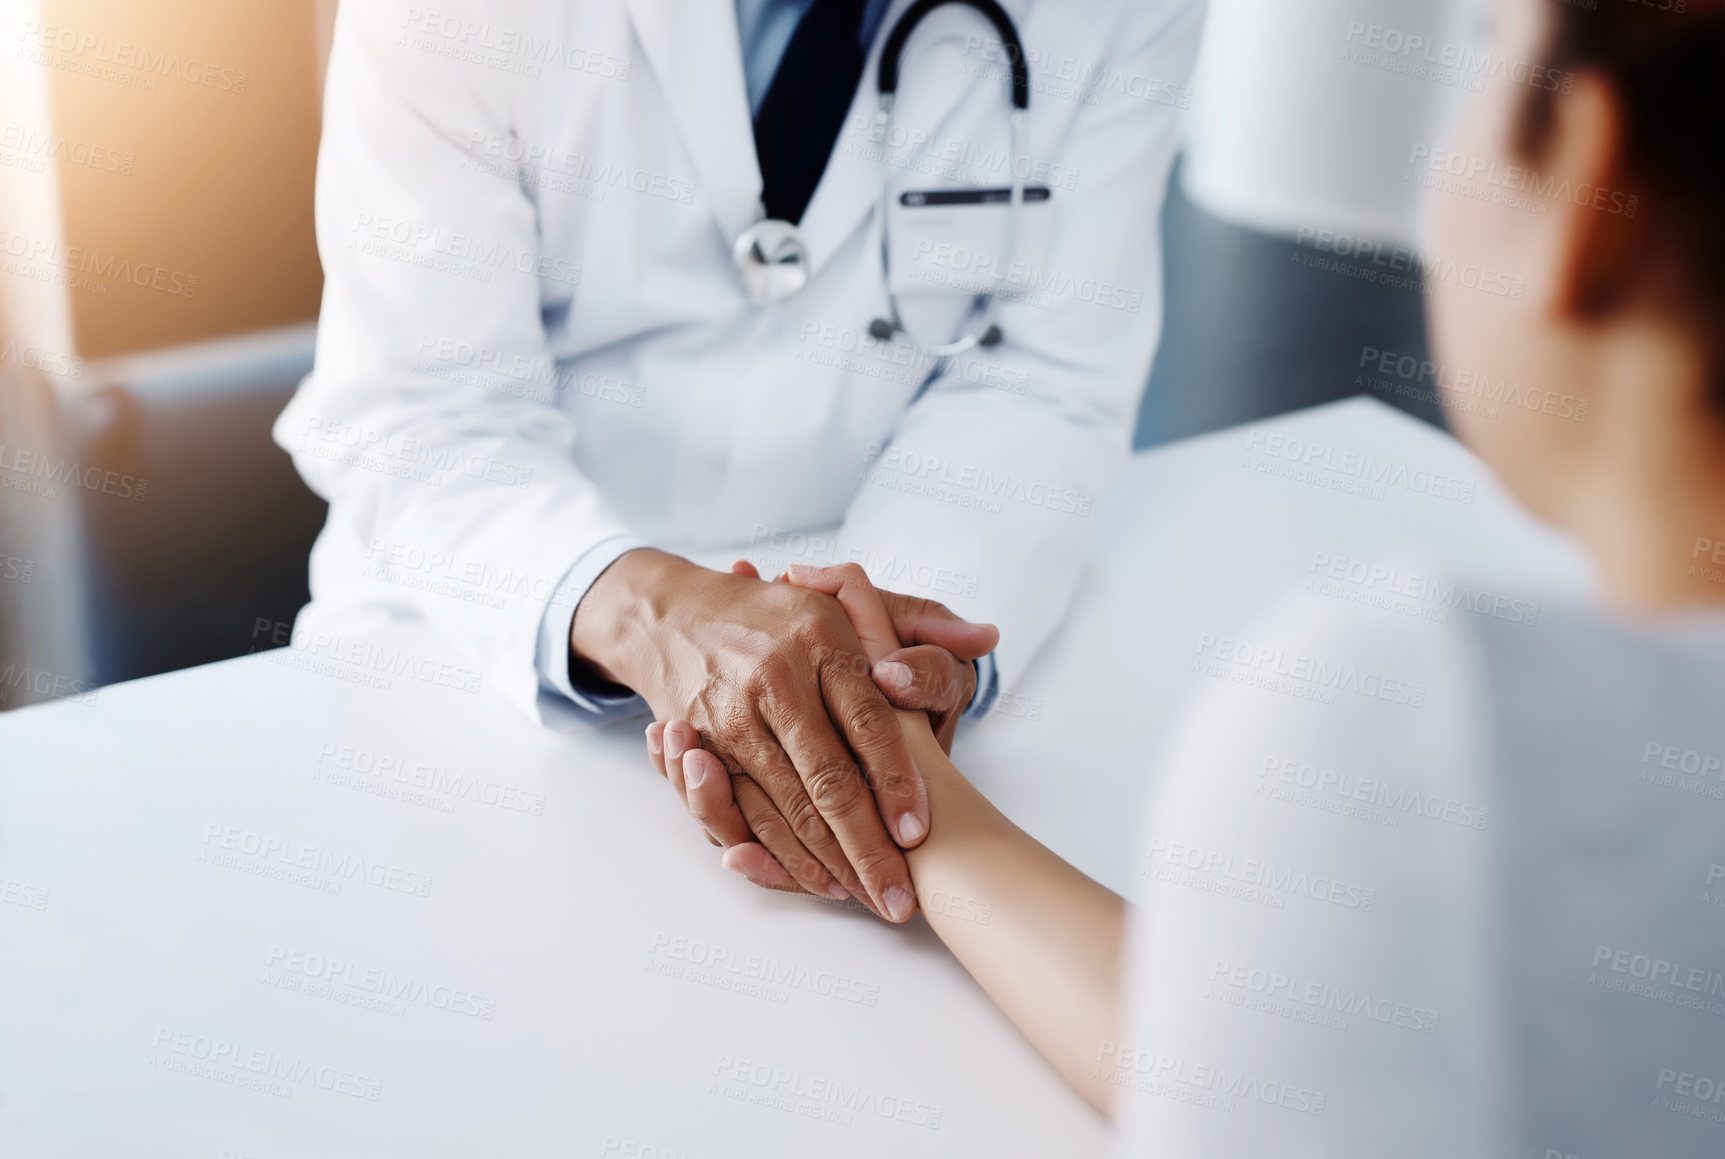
{"type": "Point", "coordinates": [701, 779]}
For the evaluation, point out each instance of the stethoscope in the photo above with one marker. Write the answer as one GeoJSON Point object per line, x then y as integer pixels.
{"type": "Point", "coordinates": [772, 259]}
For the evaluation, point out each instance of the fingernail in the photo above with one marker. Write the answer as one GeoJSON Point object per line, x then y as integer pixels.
{"type": "Point", "coordinates": [894, 674]}
{"type": "Point", "coordinates": [673, 744]}
{"type": "Point", "coordinates": [910, 828]}
{"type": "Point", "coordinates": [837, 892]}
{"type": "Point", "coordinates": [799, 571]}
{"type": "Point", "coordinates": [694, 771]}
{"type": "Point", "coordinates": [653, 743]}
{"type": "Point", "coordinates": [899, 903]}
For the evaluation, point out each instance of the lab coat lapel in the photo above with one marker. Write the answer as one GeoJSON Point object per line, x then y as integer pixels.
{"type": "Point", "coordinates": [697, 57]}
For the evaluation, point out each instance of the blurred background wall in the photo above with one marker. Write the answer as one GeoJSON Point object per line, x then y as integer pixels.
{"type": "Point", "coordinates": [159, 286]}
{"type": "Point", "coordinates": [157, 300]}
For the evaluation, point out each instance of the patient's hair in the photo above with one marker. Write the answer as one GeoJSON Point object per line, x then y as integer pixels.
{"type": "Point", "coordinates": [1665, 61]}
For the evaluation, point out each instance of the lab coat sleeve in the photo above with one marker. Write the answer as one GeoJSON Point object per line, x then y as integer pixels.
{"type": "Point", "coordinates": [989, 482]}
{"type": "Point", "coordinates": [551, 657]}
{"type": "Point", "coordinates": [430, 421]}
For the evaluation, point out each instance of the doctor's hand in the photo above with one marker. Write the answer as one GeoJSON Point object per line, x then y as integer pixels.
{"type": "Point", "coordinates": [880, 619]}
{"type": "Point", "coordinates": [778, 686]}
{"type": "Point", "coordinates": [936, 678]}
{"type": "Point", "coordinates": [922, 677]}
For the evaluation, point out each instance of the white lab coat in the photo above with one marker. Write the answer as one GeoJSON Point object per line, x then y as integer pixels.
{"type": "Point", "coordinates": [533, 340]}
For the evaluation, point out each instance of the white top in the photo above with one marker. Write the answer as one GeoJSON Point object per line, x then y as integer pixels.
{"type": "Point", "coordinates": [1436, 889]}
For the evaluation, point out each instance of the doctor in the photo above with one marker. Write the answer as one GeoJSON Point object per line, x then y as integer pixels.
{"type": "Point", "coordinates": [561, 359]}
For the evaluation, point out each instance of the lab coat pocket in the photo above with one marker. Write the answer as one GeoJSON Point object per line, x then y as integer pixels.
{"type": "Point", "coordinates": [948, 246]}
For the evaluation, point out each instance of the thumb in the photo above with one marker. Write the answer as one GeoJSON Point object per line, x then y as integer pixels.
{"type": "Point", "coordinates": [860, 599]}
{"type": "Point", "coordinates": [920, 621]}
{"type": "Point", "coordinates": [926, 678]}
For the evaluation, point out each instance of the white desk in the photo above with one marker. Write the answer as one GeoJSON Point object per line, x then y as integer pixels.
{"type": "Point", "coordinates": [138, 930]}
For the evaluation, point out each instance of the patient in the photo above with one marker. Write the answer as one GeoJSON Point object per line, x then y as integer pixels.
{"type": "Point", "coordinates": [1522, 950]}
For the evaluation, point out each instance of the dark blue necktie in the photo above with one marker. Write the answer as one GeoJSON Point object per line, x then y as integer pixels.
{"type": "Point", "coordinates": [805, 106]}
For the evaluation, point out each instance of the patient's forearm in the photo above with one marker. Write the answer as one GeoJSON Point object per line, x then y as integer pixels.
{"type": "Point", "coordinates": [1040, 937]}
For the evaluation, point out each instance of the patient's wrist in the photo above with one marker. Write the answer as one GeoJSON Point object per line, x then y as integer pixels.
{"type": "Point", "coordinates": [951, 798]}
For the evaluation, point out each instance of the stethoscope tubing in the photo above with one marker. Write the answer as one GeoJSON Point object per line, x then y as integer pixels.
{"type": "Point", "coordinates": [772, 259]}
{"type": "Point", "coordinates": [984, 331]}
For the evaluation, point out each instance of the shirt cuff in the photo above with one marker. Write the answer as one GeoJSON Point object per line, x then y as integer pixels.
{"type": "Point", "coordinates": [987, 688]}
{"type": "Point", "coordinates": [551, 656]}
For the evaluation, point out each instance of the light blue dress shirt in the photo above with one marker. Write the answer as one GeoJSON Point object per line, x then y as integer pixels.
{"type": "Point", "coordinates": [765, 28]}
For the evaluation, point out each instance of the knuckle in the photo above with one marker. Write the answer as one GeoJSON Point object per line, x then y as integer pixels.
{"type": "Point", "coordinates": [869, 725]}
{"type": "Point", "coordinates": [817, 616]}
{"type": "Point", "coordinates": [877, 864]}
{"type": "Point", "coordinates": [813, 636]}
{"type": "Point", "coordinates": [765, 678]}
{"type": "Point", "coordinates": [725, 719]}
{"type": "Point", "coordinates": [834, 787]}
{"type": "Point", "coordinates": [835, 658]}
{"type": "Point", "coordinates": [819, 648]}
{"type": "Point", "coordinates": [917, 607]}
{"type": "Point", "coordinates": [808, 825]}
{"type": "Point", "coordinates": [772, 830]}
{"type": "Point", "coordinates": [803, 603]}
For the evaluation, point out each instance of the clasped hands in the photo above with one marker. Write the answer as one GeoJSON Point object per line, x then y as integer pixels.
{"type": "Point", "coordinates": [774, 716]}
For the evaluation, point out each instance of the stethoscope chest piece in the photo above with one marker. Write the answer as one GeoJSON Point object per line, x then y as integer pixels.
{"type": "Point", "coordinates": [772, 260]}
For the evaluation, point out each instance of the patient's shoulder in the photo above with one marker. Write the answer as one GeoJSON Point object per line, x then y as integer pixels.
{"type": "Point", "coordinates": [1338, 740]}
{"type": "Point", "coordinates": [1480, 815]}
{"type": "Point", "coordinates": [1437, 675]}
{"type": "Point", "coordinates": [1319, 835]}
{"type": "Point", "coordinates": [1383, 669]}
